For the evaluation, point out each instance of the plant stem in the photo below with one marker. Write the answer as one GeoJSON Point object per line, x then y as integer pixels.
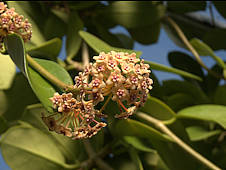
{"type": "Point", "coordinates": [105, 104]}
{"type": "Point", "coordinates": [48, 75]}
{"type": "Point", "coordinates": [177, 140]}
{"type": "Point", "coordinates": [189, 46]}
{"type": "Point", "coordinates": [93, 156]}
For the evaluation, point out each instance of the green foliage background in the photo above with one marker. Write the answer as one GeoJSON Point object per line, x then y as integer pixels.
{"type": "Point", "coordinates": [196, 104]}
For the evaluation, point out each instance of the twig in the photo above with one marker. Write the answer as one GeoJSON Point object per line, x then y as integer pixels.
{"type": "Point", "coordinates": [100, 163]}
{"type": "Point", "coordinates": [74, 64]}
{"type": "Point", "coordinates": [177, 140]}
{"type": "Point", "coordinates": [85, 54]}
{"type": "Point", "coordinates": [190, 47]}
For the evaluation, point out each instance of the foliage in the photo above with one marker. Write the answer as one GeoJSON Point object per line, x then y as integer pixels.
{"type": "Point", "coordinates": [193, 109]}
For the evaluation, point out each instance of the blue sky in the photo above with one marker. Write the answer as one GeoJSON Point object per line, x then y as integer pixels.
{"type": "Point", "coordinates": [158, 53]}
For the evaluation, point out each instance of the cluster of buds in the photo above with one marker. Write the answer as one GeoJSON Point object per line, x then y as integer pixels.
{"type": "Point", "coordinates": [120, 76]}
{"type": "Point", "coordinates": [12, 22]}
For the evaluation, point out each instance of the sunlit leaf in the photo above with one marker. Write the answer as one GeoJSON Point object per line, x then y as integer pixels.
{"type": "Point", "coordinates": [73, 40]}
{"type": "Point", "coordinates": [204, 50]}
{"type": "Point", "coordinates": [34, 145]}
{"type": "Point", "coordinates": [7, 71]}
{"type": "Point", "coordinates": [158, 109]}
{"type": "Point", "coordinates": [131, 14]}
{"type": "Point", "coordinates": [100, 46]}
{"type": "Point", "coordinates": [37, 37]}
{"type": "Point", "coordinates": [208, 112]}
{"type": "Point", "coordinates": [197, 133]}
{"type": "Point", "coordinates": [138, 144]}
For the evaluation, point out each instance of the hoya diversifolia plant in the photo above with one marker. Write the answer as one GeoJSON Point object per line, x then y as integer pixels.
{"type": "Point", "coordinates": [107, 111]}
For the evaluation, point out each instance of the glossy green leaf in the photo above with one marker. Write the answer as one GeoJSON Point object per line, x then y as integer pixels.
{"type": "Point", "coordinates": [34, 145]}
{"type": "Point", "coordinates": [37, 37]}
{"type": "Point", "coordinates": [61, 14]}
{"type": "Point", "coordinates": [7, 71]}
{"type": "Point", "coordinates": [204, 50]}
{"type": "Point", "coordinates": [138, 144]}
{"type": "Point", "coordinates": [146, 35]}
{"type": "Point", "coordinates": [186, 6]}
{"type": "Point", "coordinates": [170, 87]}
{"type": "Point", "coordinates": [215, 38]}
{"type": "Point", "coordinates": [197, 133]}
{"type": "Point", "coordinates": [17, 98]}
{"type": "Point", "coordinates": [184, 62]}
{"type": "Point", "coordinates": [131, 14]}
{"type": "Point", "coordinates": [100, 46]}
{"type": "Point", "coordinates": [208, 112]}
{"type": "Point", "coordinates": [49, 49]}
{"type": "Point", "coordinates": [73, 40]}
{"type": "Point", "coordinates": [157, 109]}
{"type": "Point", "coordinates": [41, 87]}
{"type": "Point", "coordinates": [136, 159]}
{"type": "Point", "coordinates": [156, 66]}
{"type": "Point", "coordinates": [134, 128]}
{"type": "Point", "coordinates": [3, 125]}
{"type": "Point", "coordinates": [16, 50]}
{"type": "Point", "coordinates": [220, 94]}
{"type": "Point", "coordinates": [54, 27]}
{"type": "Point", "coordinates": [70, 148]}
{"type": "Point", "coordinates": [179, 101]}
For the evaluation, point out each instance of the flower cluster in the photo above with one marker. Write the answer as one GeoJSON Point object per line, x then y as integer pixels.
{"type": "Point", "coordinates": [12, 22]}
{"type": "Point", "coordinates": [122, 77]}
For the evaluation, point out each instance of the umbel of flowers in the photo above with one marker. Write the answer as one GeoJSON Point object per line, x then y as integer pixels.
{"type": "Point", "coordinates": [12, 22]}
{"type": "Point", "coordinates": [121, 77]}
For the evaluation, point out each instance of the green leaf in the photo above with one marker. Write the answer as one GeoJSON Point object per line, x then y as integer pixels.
{"type": "Point", "coordinates": [49, 49]}
{"type": "Point", "coordinates": [146, 35]}
{"type": "Point", "coordinates": [54, 27]}
{"type": "Point", "coordinates": [204, 50]}
{"type": "Point", "coordinates": [7, 71]}
{"type": "Point", "coordinates": [42, 88]}
{"type": "Point", "coordinates": [170, 87]}
{"type": "Point", "coordinates": [186, 6]}
{"type": "Point", "coordinates": [136, 159]}
{"type": "Point", "coordinates": [186, 63]}
{"type": "Point", "coordinates": [16, 50]}
{"type": "Point", "coordinates": [156, 66]}
{"type": "Point", "coordinates": [208, 112]}
{"type": "Point", "coordinates": [34, 145]}
{"type": "Point", "coordinates": [100, 46]}
{"type": "Point", "coordinates": [134, 128]}
{"type": "Point", "coordinates": [23, 8]}
{"type": "Point", "coordinates": [197, 133]}
{"type": "Point", "coordinates": [70, 148]}
{"type": "Point", "coordinates": [3, 102]}
{"type": "Point", "coordinates": [3, 125]}
{"type": "Point", "coordinates": [126, 41]}
{"type": "Point", "coordinates": [73, 40]}
{"type": "Point", "coordinates": [157, 109]}
{"type": "Point", "coordinates": [17, 98]}
{"type": "Point", "coordinates": [132, 14]}
{"type": "Point", "coordinates": [179, 101]}
{"type": "Point", "coordinates": [220, 7]}
{"type": "Point", "coordinates": [215, 38]}
{"type": "Point", "coordinates": [138, 144]}
{"type": "Point", "coordinates": [219, 96]}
